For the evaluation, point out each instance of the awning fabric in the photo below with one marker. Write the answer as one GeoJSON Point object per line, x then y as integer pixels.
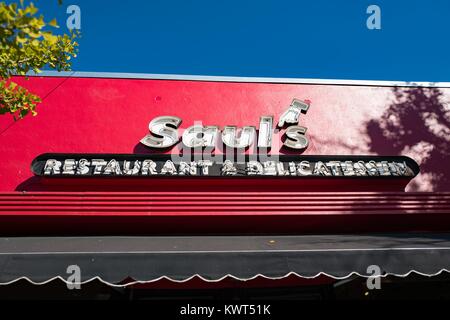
{"type": "Point", "coordinates": [212, 258]}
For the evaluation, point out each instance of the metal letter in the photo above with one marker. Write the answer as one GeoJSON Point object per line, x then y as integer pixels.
{"type": "Point", "coordinates": [228, 168]}
{"type": "Point", "coordinates": [148, 168]}
{"type": "Point", "coordinates": [292, 168]}
{"type": "Point", "coordinates": [371, 167]}
{"type": "Point", "coordinates": [187, 169]}
{"type": "Point", "coordinates": [98, 165]}
{"type": "Point", "coordinates": [335, 167]}
{"type": "Point", "coordinates": [321, 169]}
{"type": "Point", "coordinates": [229, 137]}
{"type": "Point", "coordinates": [163, 132]}
{"type": "Point", "coordinates": [292, 114]}
{"type": "Point", "coordinates": [360, 168]}
{"type": "Point", "coordinates": [205, 164]}
{"type": "Point", "coordinates": [52, 166]}
{"type": "Point", "coordinates": [265, 132]}
{"type": "Point", "coordinates": [198, 136]}
{"type": "Point", "coordinates": [169, 168]}
{"type": "Point", "coordinates": [112, 168]}
{"type": "Point", "coordinates": [131, 172]}
{"type": "Point", "coordinates": [270, 168]}
{"type": "Point", "coordinates": [347, 168]}
{"type": "Point", "coordinates": [295, 138]}
{"type": "Point", "coordinates": [304, 168]}
{"type": "Point", "coordinates": [401, 169]}
{"type": "Point", "coordinates": [254, 168]}
{"type": "Point", "coordinates": [383, 168]}
{"type": "Point", "coordinates": [83, 167]}
{"type": "Point", "coordinates": [69, 166]}
{"type": "Point", "coordinates": [281, 170]}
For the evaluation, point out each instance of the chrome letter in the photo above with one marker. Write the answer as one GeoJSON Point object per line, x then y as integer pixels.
{"type": "Point", "coordinates": [230, 139]}
{"type": "Point", "coordinates": [198, 136]}
{"type": "Point", "coordinates": [163, 132]}
{"type": "Point", "coordinates": [292, 114]}
{"type": "Point", "coordinates": [265, 132]}
{"type": "Point", "coordinates": [295, 138]}
{"type": "Point", "coordinates": [52, 166]}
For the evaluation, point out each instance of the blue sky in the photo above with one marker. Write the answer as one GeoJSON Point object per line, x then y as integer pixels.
{"type": "Point", "coordinates": [303, 39]}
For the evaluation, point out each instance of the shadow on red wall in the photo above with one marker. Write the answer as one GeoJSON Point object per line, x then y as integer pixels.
{"type": "Point", "coordinates": [417, 122]}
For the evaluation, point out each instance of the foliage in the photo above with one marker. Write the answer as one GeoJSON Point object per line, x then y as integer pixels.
{"type": "Point", "coordinates": [16, 100]}
{"type": "Point", "coordinates": [27, 45]}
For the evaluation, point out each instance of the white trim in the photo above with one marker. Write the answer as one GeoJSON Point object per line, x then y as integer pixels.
{"type": "Point", "coordinates": [223, 251]}
{"type": "Point", "coordinates": [353, 273]}
{"type": "Point", "coordinates": [154, 76]}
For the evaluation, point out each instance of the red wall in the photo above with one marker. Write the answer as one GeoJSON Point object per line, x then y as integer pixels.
{"type": "Point", "coordinates": [101, 115]}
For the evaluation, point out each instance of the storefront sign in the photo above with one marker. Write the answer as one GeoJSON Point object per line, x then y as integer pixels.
{"type": "Point", "coordinates": [164, 133]}
{"type": "Point", "coordinates": [104, 165]}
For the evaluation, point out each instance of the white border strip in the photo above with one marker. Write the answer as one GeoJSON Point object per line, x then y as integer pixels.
{"type": "Point", "coordinates": [223, 251]}
{"type": "Point", "coordinates": [353, 273]}
{"type": "Point", "coordinates": [155, 76]}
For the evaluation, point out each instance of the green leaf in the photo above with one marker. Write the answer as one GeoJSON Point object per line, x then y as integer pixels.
{"type": "Point", "coordinates": [50, 37]}
{"type": "Point", "coordinates": [25, 45]}
{"type": "Point", "coordinates": [53, 23]}
{"type": "Point", "coordinates": [24, 112]}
